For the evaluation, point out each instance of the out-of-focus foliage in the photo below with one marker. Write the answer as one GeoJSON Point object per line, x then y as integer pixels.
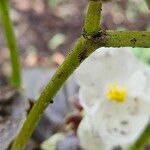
{"type": "Point", "coordinates": [143, 54]}
{"type": "Point", "coordinates": [56, 40]}
{"type": "Point", "coordinates": [54, 3]}
{"type": "Point", "coordinates": [148, 3]}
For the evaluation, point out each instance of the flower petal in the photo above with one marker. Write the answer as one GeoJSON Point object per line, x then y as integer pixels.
{"type": "Point", "coordinates": [136, 83]}
{"type": "Point", "coordinates": [120, 124]}
{"type": "Point", "coordinates": [106, 65]}
{"type": "Point", "coordinates": [89, 97]}
{"type": "Point", "coordinates": [89, 140]}
{"type": "Point", "coordinates": [147, 86]}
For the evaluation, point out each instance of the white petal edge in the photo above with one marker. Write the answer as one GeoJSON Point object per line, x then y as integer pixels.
{"type": "Point", "coordinates": [106, 64]}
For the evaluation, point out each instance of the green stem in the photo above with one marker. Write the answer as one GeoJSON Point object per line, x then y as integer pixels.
{"type": "Point", "coordinates": [142, 140]}
{"type": "Point", "coordinates": [127, 39]}
{"type": "Point", "coordinates": [121, 39]}
{"type": "Point", "coordinates": [81, 51]}
{"type": "Point", "coordinates": [92, 22]}
{"type": "Point", "coordinates": [83, 48]}
{"type": "Point", "coordinates": [11, 40]}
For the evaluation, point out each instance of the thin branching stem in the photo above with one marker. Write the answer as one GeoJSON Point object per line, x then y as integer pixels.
{"type": "Point", "coordinates": [93, 38]}
{"type": "Point", "coordinates": [81, 50]}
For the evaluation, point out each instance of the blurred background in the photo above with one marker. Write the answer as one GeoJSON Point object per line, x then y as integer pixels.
{"type": "Point", "coordinates": [46, 31]}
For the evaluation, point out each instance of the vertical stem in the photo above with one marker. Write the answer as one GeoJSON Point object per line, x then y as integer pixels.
{"type": "Point", "coordinates": [148, 3]}
{"type": "Point", "coordinates": [11, 41]}
{"type": "Point", "coordinates": [92, 22]}
{"type": "Point", "coordinates": [83, 48]}
{"type": "Point", "coordinates": [142, 140]}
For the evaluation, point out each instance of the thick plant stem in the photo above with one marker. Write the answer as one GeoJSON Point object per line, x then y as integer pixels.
{"type": "Point", "coordinates": [83, 48]}
{"type": "Point", "coordinates": [92, 22]}
{"type": "Point", "coordinates": [122, 39]}
{"type": "Point", "coordinates": [142, 140]}
{"type": "Point", "coordinates": [81, 51]}
{"type": "Point", "coordinates": [11, 40]}
{"type": "Point", "coordinates": [127, 39]}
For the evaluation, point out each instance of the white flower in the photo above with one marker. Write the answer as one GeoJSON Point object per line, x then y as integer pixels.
{"type": "Point", "coordinates": [89, 139]}
{"type": "Point", "coordinates": [114, 93]}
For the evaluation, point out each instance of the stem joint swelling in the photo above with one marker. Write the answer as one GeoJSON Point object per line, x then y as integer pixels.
{"type": "Point", "coordinates": [95, 37]}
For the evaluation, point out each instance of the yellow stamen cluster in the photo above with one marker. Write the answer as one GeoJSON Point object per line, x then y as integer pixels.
{"type": "Point", "coordinates": [116, 93]}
